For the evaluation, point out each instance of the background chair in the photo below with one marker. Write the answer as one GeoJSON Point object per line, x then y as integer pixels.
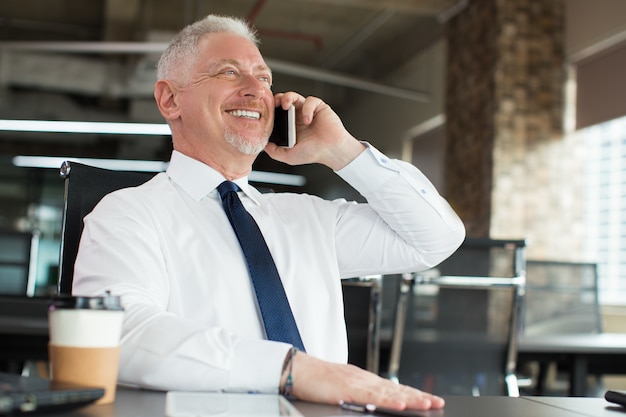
{"type": "Point", "coordinates": [84, 187]}
{"type": "Point", "coordinates": [561, 298]}
{"type": "Point", "coordinates": [362, 310]}
{"type": "Point", "coordinates": [23, 332]}
{"type": "Point", "coordinates": [18, 262]}
{"type": "Point", "coordinates": [456, 325]}
{"type": "Point", "coordinates": [21, 313]}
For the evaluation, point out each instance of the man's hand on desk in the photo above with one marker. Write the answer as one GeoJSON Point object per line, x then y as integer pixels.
{"type": "Point", "coordinates": [324, 382]}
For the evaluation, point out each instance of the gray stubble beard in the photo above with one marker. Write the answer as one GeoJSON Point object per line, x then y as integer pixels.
{"type": "Point", "coordinates": [243, 144]}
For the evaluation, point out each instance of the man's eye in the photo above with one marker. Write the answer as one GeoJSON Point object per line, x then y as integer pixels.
{"type": "Point", "coordinates": [265, 79]}
{"type": "Point", "coordinates": [227, 72]}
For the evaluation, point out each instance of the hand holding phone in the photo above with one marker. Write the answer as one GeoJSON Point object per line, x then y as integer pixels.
{"type": "Point", "coordinates": [284, 132]}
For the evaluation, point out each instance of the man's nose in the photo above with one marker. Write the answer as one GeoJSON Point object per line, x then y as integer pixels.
{"type": "Point", "coordinates": [252, 86]}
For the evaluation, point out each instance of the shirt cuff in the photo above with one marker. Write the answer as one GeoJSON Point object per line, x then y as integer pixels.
{"type": "Point", "coordinates": [369, 170]}
{"type": "Point", "coordinates": [259, 364]}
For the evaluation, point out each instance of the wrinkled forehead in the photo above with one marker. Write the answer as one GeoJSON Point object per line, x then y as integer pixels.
{"type": "Point", "coordinates": [214, 47]}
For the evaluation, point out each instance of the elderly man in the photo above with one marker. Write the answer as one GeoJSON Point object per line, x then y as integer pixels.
{"type": "Point", "coordinates": [168, 249]}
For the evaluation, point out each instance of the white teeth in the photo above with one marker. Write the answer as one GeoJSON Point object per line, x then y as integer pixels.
{"type": "Point", "coordinates": [245, 113]}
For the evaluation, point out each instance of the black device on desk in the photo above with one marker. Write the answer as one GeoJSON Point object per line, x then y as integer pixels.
{"type": "Point", "coordinates": [20, 395]}
{"type": "Point", "coordinates": [616, 397]}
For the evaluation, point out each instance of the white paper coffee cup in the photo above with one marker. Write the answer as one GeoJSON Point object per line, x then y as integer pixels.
{"type": "Point", "coordinates": [84, 341]}
{"type": "Point", "coordinates": [85, 328]}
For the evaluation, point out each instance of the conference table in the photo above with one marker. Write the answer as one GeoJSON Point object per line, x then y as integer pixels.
{"type": "Point", "coordinates": [581, 354]}
{"type": "Point", "coordinates": [142, 403]}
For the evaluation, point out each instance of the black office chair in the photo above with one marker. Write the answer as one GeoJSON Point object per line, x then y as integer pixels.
{"type": "Point", "coordinates": [456, 325]}
{"type": "Point", "coordinates": [362, 311]}
{"type": "Point", "coordinates": [84, 187]}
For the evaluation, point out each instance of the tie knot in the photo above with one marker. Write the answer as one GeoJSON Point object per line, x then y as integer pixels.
{"type": "Point", "coordinates": [226, 187]}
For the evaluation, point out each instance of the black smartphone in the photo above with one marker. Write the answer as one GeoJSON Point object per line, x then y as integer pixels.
{"type": "Point", "coordinates": [284, 132]}
{"type": "Point", "coordinates": [616, 397]}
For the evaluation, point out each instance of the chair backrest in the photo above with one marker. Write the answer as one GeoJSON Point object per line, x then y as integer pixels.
{"type": "Point", "coordinates": [362, 310]}
{"type": "Point", "coordinates": [483, 257]}
{"type": "Point", "coordinates": [561, 297]}
{"type": "Point", "coordinates": [457, 325]}
{"type": "Point", "coordinates": [84, 187]}
{"type": "Point", "coordinates": [18, 262]}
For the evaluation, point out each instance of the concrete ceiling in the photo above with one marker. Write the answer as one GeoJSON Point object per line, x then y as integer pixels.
{"type": "Point", "coordinates": [93, 60]}
{"type": "Point", "coordinates": [108, 47]}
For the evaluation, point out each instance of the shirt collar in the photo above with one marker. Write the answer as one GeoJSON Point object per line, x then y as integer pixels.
{"type": "Point", "coordinates": [199, 180]}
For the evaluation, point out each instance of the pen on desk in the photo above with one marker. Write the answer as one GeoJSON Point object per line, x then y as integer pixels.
{"type": "Point", "coordinates": [371, 408]}
{"type": "Point", "coordinates": [352, 406]}
{"type": "Point", "coordinates": [361, 408]}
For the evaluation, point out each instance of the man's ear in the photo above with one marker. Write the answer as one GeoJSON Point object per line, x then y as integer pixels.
{"type": "Point", "coordinates": [166, 98]}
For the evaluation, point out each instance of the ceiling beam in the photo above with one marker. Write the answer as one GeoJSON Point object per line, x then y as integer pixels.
{"type": "Point", "coordinates": [277, 66]}
{"type": "Point", "coordinates": [427, 7]}
{"type": "Point", "coordinates": [336, 78]}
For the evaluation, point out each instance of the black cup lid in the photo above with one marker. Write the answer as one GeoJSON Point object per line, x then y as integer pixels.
{"type": "Point", "coordinates": [105, 302]}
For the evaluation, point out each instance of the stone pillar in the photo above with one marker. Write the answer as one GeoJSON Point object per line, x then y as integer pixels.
{"type": "Point", "coordinates": [504, 98]}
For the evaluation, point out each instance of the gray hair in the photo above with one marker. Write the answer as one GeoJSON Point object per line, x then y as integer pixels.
{"type": "Point", "coordinates": [182, 52]}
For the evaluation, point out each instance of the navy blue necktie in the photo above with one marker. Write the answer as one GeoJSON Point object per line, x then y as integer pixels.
{"type": "Point", "coordinates": [277, 316]}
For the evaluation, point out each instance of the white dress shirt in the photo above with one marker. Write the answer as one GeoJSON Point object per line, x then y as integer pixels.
{"type": "Point", "coordinates": [191, 322]}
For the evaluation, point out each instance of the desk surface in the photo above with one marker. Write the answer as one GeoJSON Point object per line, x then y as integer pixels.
{"type": "Point", "coordinates": [583, 406]}
{"type": "Point", "coordinates": [137, 403]}
{"type": "Point", "coordinates": [24, 315]}
{"type": "Point", "coordinates": [23, 329]}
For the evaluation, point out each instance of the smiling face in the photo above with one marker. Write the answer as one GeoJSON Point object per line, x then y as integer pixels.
{"type": "Point", "coordinates": [227, 107]}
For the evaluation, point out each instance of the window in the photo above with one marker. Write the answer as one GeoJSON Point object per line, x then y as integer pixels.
{"type": "Point", "coordinates": [605, 206]}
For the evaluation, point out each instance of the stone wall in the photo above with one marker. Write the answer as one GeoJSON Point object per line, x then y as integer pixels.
{"type": "Point", "coordinates": [470, 107]}
{"type": "Point", "coordinates": [509, 171]}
